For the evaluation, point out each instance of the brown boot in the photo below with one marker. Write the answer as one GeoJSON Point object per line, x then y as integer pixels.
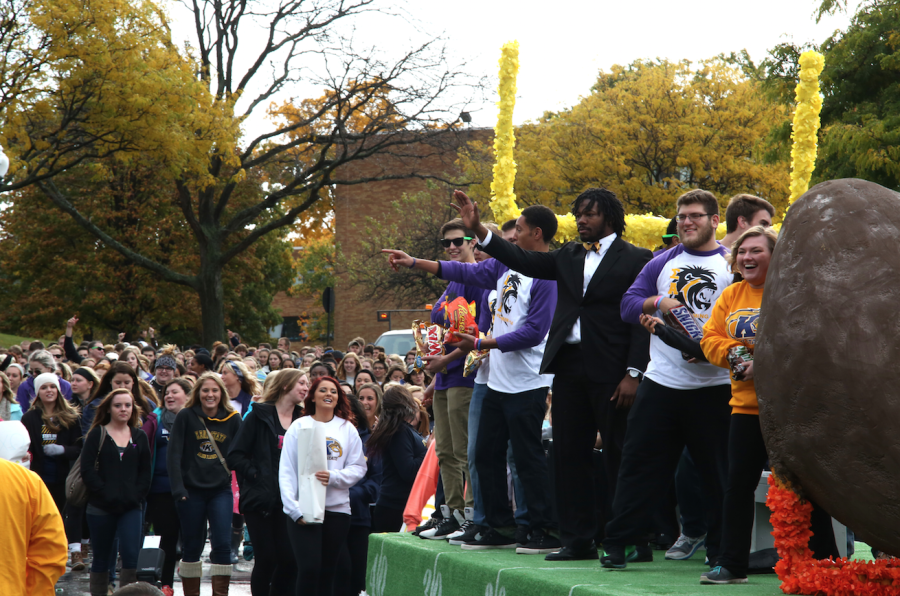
{"type": "Point", "coordinates": [77, 561]}
{"type": "Point", "coordinates": [220, 575]}
{"type": "Point", "coordinates": [128, 576]}
{"type": "Point", "coordinates": [99, 583]}
{"type": "Point", "coordinates": [190, 577]}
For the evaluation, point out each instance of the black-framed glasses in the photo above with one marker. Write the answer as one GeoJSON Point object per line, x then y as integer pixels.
{"type": "Point", "coordinates": [457, 242]}
{"type": "Point", "coordinates": [694, 217]}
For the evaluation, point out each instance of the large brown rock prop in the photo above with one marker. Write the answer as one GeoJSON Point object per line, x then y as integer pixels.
{"type": "Point", "coordinates": [828, 355]}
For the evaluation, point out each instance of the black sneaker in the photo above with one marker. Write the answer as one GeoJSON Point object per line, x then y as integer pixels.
{"type": "Point", "coordinates": [522, 533]}
{"type": "Point", "coordinates": [492, 539]}
{"type": "Point", "coordinates": [431, 523]}
{"type": "Point", "coordinates": [614, 557]}
{"type": "Point", "coordinates": [540, 543]}
{"type": "Point", "coordinates": [446, 527]}
{"type": "Point", "coordinates": [639, 554]}
{"type": "Point", "coordinates": [720, 575]}
{"type": "Point", "coordinates": [473, 532]}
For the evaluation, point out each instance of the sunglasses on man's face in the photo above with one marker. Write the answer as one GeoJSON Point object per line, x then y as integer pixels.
{"type": "Point", "coordinates": [457, 242]}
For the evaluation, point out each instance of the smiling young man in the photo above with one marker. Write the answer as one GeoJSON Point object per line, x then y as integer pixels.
{"type": "Point", "coordinates": [513, 407]}
{"type": "Point", "coordinates": [744, 212]}
{"type": "Point", "coordinates": [453, 392]}
{"type": "Point", "coordinates": [596, 357]}
{"type": "Point", "coordinates": [680, 403]}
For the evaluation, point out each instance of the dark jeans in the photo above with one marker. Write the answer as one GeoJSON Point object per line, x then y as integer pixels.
{"type": "Point", "coordinates": [105, 528]}
{"type": "Point", "coordinates": [274, 571]}
{"type": "Point", "coordinates": [317, 548]}
{"type": "Point", "coordinates": [202, 505]}
{"type": "Point", "coordinates": [580, 409]}
{"type": "Point", "coordinates": [358, 550]}
{"type": "Point", "coordinates": [386, 519]}
{"type": "Point", "coordinates": [516, 418]}
{"type": "Point", "coordinates": [691, 500]}
{"type": "Point", "coordinates": [661, 423]}
{"type": "Point", "coordinates": [161, 512]}
{"type": "Point", "coordinates": [746, 459]}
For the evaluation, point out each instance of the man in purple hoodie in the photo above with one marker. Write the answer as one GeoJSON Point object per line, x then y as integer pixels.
{"type": "Point", "coordinates": [515, 403]}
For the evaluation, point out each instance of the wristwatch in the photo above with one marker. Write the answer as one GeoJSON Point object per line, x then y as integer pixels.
{"type": "Point", "coordinates": [635, 374]}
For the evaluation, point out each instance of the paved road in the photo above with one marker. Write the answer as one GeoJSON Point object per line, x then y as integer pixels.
{"type": "Point", "coordinates": [76, 583]}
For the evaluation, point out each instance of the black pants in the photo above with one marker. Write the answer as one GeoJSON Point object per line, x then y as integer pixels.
{"type": "Point", "coordinates": [317, 548]}
{"type": "Point", "coordinates": [386, 519]}
{"type": "Point", "coordinates": [513, 418]}
{"type": "Point", "coordinates": [580, 409]}
{"type": "Point", "coordinates": [661, 423]}
{"type": "Point", "coordinates": [746, 460]}
{"type": "Point", "coordinates": [274, 570]}
{"type": "Point", "coordinates": [358, 549]}
{"type": "Point", "coordinates": [162, 514]}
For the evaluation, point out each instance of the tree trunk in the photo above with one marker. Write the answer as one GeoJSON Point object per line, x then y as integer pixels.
{"type": "Point", "coordinates": [212, 304]}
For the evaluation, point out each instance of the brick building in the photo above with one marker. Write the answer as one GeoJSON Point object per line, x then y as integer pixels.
{"type": "Point", "coordinates": [434, 156]}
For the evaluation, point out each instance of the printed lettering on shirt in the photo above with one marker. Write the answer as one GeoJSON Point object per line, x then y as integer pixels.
{"type": "Point", "coordinates": [280, 442]}
{"type": "Point", "coordinates": [741, 325]}
{"type": "Point", "coordinates": [695, 287]}
{"type": "Point", "coordinates": [207, 451]}
{"type": "Point", "coordinates": [219, 437]}
{"type": "Point", "coordinates": [48, 437]}
{"type": "Point", "coordinates": [333, 448]}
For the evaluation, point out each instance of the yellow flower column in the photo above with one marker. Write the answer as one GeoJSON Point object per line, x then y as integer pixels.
{"type": "Point", "coordinates": [503, 196]}
{"type": "Point", "coordinates": [806, 123]}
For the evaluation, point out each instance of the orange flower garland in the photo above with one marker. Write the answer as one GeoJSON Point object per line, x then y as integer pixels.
{"type": "Point", "coordinates": [801, 574]}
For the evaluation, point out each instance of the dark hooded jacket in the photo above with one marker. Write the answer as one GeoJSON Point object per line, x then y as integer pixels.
{"type": "Point", "coordinates": [255, 455]}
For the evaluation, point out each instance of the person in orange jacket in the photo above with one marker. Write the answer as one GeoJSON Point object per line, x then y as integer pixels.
{"type": "Point", "coordinates": [34, 551]}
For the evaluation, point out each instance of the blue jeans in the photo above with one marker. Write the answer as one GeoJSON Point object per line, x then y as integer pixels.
{"type": "Point", "coordinates": [105, 528]}
{"type": "Point", "coordinates": [202, 505]}
{"type": "Point", "coordinates": [478, 393]}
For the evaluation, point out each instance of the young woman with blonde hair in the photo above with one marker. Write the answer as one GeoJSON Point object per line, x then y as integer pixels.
{"type": "Point", "coordinates": [8, 404]}
{"type": "Point", "coordinates": [255, 456]}
{"type": "Point", "coordinates": [349, 366]}
{"type": "Point", "coordinates": [201, 481]}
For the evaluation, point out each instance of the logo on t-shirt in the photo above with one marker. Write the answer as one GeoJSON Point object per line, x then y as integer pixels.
{"type": "Point", "coordinates": [742, 325]}
{"type": "Point", "coordinates": [48, 437]}
{"type": "Point", "coordinates": [333, 448]}
{"type": "Point", "coordinates": [510, 292]}
{"type": "Point", "coordinates": [693, 286]}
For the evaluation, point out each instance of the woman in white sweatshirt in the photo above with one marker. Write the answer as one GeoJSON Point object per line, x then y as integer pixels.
{"type": "Point", "coordinates": [317, 543]}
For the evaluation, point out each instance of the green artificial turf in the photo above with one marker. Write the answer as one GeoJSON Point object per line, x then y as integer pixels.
{"type": "Point", "coordinates": [402, 564]}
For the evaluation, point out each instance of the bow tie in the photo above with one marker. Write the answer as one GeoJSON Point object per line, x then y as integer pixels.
{"type": "Point", "coordinates": [592, 246]}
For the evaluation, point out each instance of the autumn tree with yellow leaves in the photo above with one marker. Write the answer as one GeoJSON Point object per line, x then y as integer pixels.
{"type": "Point", "coordinates": [648, 132]}
{"type": "Point", "coordinates": [97, 82]}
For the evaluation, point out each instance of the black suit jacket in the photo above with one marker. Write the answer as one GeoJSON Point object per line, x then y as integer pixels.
{"type": "Point", "coordinates": [609, 344]}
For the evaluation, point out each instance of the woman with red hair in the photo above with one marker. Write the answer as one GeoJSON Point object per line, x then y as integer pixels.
{"type": "Point", "coordinates": [317, 543]}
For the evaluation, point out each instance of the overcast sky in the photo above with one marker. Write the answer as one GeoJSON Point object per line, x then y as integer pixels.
{"type": "Point", "coordinates": [564, 43]}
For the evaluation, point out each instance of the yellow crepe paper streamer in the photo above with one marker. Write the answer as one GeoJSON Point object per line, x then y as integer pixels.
{"type": "Point", "coordinates": [806, 123]}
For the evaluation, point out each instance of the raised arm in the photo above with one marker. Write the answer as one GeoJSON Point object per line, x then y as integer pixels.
{"type": "Point", "coordinates": [540, 265]}
{"type": "Point", "coordinates": [69, 344]}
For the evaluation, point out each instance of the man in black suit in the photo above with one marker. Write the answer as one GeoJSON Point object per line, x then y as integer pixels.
{"type": "Point", "coordinates": [597, 358]}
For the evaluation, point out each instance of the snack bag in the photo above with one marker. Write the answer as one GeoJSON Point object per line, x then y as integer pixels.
{"type": "Point", "coordinates": [474, 359]}
{"type": "Point", "coordinates": [459, 317]}
{"type": "Point", "coordinates": [429, 342]}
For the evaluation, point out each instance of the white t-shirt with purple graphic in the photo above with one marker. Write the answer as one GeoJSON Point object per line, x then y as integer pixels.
{"type": "Point", "coordinates": [696, 279]}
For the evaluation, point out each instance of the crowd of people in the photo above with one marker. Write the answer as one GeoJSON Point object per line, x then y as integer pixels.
{"type": "Point", "coordinates": [592, 406]}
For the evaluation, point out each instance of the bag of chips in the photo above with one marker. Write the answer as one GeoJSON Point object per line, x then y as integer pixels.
{"type": "Point", "coordinates": [429, 342]}
{"type": "Point", "coordinates": [459, 317]}
{"type": "Point", "coordinates": [474, 359]}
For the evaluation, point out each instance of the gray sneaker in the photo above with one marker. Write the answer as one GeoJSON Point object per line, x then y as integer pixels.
{"type": "Point", "coordinates": [720, 575]}
{"type": "Point", "coordinates": [685, 547]}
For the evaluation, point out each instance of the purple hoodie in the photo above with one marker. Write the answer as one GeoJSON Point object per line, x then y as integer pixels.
{"type": "Point", "coordinates": [25, 394]}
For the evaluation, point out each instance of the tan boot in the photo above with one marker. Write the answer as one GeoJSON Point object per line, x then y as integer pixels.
{"type": "Point", "coordinates": [190, 577]}
{"type": "Point", "coordinates": [77, 561]}
{"type": "Point", "coordinates": [220, 575]}
{"type": "Point", "coordinates": [128, 576]}
{"type": "Point", "coordinates": [99, 583]}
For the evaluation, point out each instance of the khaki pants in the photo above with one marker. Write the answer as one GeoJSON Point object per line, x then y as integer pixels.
{"type": "Point", "coordinates": [451, 436]}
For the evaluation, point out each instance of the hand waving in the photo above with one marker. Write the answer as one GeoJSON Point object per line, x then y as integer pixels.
{"type": "Point", "coordinates": [467, 209]}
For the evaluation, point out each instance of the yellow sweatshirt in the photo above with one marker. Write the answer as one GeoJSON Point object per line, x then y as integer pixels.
{"type": "Point", "coordinates": [34, 547]}
{"type": "Point", "coordinates": [733, 323]}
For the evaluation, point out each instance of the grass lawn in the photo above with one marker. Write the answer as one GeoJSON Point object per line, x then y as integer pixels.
{"type": "Point", "coordinates": [9, 340]}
